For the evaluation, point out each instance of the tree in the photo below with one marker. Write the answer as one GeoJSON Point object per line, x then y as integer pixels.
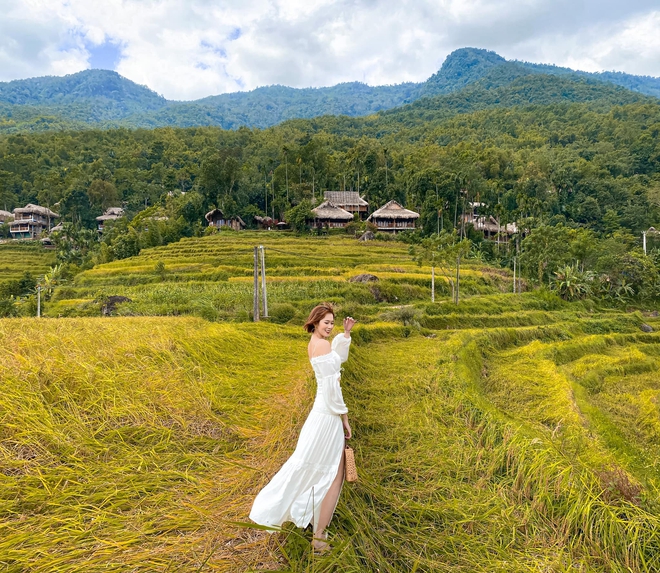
{"type": "Point", "coordinates": [443, 251]}
{"type": "Point", "coordinates": [298, 216]}
{"type": "Point", "coordinates": [103, 194]}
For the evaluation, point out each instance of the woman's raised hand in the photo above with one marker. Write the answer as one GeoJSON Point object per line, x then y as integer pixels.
{"type": "Point", "coordinates": [348, 324]}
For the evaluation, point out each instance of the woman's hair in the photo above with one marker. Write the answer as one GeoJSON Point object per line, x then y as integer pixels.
{"type": "Point", "coordinates": [318, 312]}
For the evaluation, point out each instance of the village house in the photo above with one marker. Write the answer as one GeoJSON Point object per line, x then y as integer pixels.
{"type": "Point", "coordinates": [393, 218]}
{"type": "Point", "coordinates": [6, 217]}
{"type": "Point", "coordinates": [349, 201]}
{"type": "Point", "coordinates": [329, 215]}
{"type": "Point", "coordinates": [264, 222]}
{"type": "Point", "coordinates": [111, 214]}
{"type": "Point", "coordinates": [488, 225]}
{"type": "Point", "coordinates": [30, 221]}
{"type": "Point", "coordinates": [217, 219]}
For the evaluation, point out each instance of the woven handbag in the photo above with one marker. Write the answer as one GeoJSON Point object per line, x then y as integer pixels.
{"type": "Point", "coordinates": [350, 471]}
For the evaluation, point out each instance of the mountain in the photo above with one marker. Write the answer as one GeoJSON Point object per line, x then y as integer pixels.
{"type": "Point", "coordinates": [104, 99]}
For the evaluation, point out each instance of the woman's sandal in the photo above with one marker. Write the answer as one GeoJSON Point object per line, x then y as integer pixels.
{"type": "Point", "coordinates": [320, 545]}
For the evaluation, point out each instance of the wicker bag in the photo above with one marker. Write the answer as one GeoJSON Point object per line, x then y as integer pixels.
{"type": "Point", "coordinates": [350, 471]}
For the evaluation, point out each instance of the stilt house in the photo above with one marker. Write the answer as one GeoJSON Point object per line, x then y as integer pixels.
{"type": "Point", "coordinates": [30, 221]}
{"type": "Point", "coordinates": [111, 214]}
{"type": "Point", "coordinates": [393, 218]}
{"type": "Point", "coordinates": [349, 201]}
{"type": "Point", "coordinates": [328, 214]}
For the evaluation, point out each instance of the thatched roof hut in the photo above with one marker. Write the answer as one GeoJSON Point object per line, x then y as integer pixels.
{"type": "Point", "coordinates": [216, 218]}
{"type": "Point", "coordinates": [392, 217]}
{"type": "Point", "coordinates": [328, 214]}
{"type": "Point", "coordinates": [264, 222]}
{"type": "Point", "coordinates": [5, 216]}
{"type": "Point", "coordinates": [349, 201]}
{"type": "Point", "coordinates": [31, 209]}
{"type": "Point", "coordinates": [110, 214]}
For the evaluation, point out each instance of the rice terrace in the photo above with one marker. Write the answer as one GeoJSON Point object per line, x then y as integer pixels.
{"type": "Point", "coordinates": [514, 432]}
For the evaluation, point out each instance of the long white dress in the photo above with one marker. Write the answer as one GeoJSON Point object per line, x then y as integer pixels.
{"type": "Point", "coordinates": [297, 491]}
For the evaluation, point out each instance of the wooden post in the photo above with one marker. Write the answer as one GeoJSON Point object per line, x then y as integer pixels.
{"type": "Point", "coordinates": [263, 281]}
{"type": "Point", "coordinates": [256, 285]}
{"type": "Point", "coordinates": [432, 284]}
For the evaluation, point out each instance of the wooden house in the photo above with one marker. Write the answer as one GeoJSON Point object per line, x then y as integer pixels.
{"type": "Point", "coordinates": [329, 215]}
{"type": "Point", "coordinates": [489, 225]}
{"type": "Point", "coordinates": [264, 222]}
{"type": "Point", "coordinates": [393, 218]}
{"type": "Point", "coordinates": [30, 221]}
{"type": "Point", "coordinates": [5, 217]}
{"type": "Point", "coordinates": [349, 201]}
{"type": "Point", "coordinates": [217, 219]}
{"type": "Point", "coordinates": [111, 214]}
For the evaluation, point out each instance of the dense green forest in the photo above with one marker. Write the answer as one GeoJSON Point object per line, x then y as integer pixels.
{"type": "Point", "coordinates": [575, 163]}
{"type": "Point", "coordinates": [104, 99]}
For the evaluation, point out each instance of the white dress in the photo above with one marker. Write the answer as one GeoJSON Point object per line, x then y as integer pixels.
{"type": "Point", "coordinates": [297, 491]}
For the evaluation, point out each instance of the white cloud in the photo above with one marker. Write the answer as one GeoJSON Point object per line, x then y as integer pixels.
{"type": "Point", "coordinates": [191, 49]}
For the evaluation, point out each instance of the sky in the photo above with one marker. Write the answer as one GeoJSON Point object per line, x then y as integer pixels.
{"type": "Point", "coordinates": [189, 49]}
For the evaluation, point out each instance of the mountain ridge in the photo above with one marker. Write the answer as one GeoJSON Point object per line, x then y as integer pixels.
{"type": "Point", "coordinates": [105, 99]}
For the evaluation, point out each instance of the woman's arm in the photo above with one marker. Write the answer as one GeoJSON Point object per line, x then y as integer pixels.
{"type": "Point", "coordinates": [348, 433]}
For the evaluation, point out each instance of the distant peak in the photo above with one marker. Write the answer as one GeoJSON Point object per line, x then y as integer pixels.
{"type": "Point", "coordinates": [461, 67]}
{"type": "Point", "coordinates": [479, 54]}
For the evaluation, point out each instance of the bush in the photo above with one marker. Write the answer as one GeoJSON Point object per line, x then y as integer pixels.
{"type": "Point", "coordinates": [281, 312]}
{"type": "Point", "coordinates": [7, 308]}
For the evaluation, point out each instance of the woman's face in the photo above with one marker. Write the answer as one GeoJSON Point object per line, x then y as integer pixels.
{"type": "Point", "coordinates": [326, 324]}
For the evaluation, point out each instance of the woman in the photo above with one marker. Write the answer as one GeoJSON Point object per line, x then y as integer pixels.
{"type": "Point", "coordinates": [307, 487]}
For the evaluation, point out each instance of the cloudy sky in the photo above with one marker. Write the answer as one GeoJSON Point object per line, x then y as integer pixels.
{"type": "Point", "coordinates": [188, 49]}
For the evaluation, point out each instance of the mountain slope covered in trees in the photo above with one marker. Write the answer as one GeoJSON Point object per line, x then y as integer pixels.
{"type": "Point", "coordinates": [101, 98]}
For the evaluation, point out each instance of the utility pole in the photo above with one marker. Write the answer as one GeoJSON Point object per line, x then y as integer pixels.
{"type": "Point", "coordinates": [255, 305]}
{"type": "Point", "coordinates": [272, 185]}
{"type": "Point", "coordinates": [644, 240]}
{"type": "Point", "coordinates": [263, 281]}
{"type": "Point", "coordinates": [38, 301]}
{"type": "Point", "coordinates": [266, 193]}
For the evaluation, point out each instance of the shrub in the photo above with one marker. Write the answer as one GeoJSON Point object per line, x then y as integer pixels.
{"type": "Point", "coordinates": [281, 312]}
{"type": "Point", "coordinates": [7, 308]}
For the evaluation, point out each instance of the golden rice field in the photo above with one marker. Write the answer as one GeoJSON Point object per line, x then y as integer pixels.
{"type": "Point", "coordinates": [137, 444]}
{"type": "Point", "coordinates": [510, 433]}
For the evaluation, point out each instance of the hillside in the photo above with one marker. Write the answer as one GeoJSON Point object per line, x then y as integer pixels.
{"type": "Point", "coordinates": [101, 98]}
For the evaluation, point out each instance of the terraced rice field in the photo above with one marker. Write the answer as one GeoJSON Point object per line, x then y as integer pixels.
{"type": "Point", "coordinates": [18, 257]}
{"type": "Point", "coordinates": [510, 433]}
{"type": "Point", "coordinates": [138, 444]}
{"type": "Point", "coordinates": [211, 277]}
